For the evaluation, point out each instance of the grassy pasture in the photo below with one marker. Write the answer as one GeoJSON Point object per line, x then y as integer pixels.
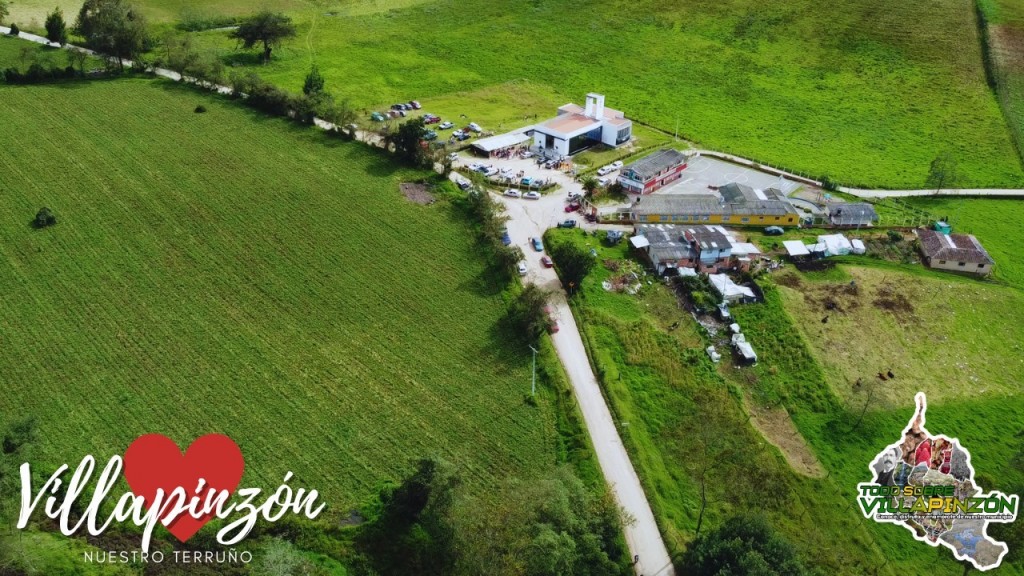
{"type": "Point", "coordinates": [948, 338]}
{"type": "Point", "coordinates": [225, 272]}
{"type": "Point", "coordinates": [1005, 19]}
{"type": "Point", "coordinates": [867, 92]}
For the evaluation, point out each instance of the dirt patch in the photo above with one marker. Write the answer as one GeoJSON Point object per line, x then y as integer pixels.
{"type": "Point", "coordinates": [1008, 46]}
{"type": "Point", "coordinates": [789, 280]}
{"type": "Point", "coordinates": [831, 298]}
{"type": "Point", "coordinates": [892, 299]}
{"type": "Point", "coordinates": [778, 429]}
{"type": "Point", "coordinates": [416, 192]}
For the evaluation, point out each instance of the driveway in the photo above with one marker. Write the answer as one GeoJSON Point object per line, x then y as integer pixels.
{"type": "Point", "coordinates": [528, 219]}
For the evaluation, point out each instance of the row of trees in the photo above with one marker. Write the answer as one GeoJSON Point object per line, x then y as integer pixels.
{"type": "Point", "coordinates": [427, 525]}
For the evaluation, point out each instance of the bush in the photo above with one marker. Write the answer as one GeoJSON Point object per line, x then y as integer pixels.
{"type": "Point", "coordinates": [14, 30]}
{"type": "Point", "coordinates": [44, 218]}
{"type": "Point", "coordinates": [894, 236]}
{"type": "Point", "coordinates": [200, 109]}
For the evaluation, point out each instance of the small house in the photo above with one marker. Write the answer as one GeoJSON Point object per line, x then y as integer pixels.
{"type": "Point", "coordinates": [957, 252]}
{"type": "Point", "coordinates": [653, 172]}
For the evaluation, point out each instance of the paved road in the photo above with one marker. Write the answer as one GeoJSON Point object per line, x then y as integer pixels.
{"type": "Point", "coordinates": [528, 219]}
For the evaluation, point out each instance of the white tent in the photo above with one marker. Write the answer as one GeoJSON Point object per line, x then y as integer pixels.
{"type": "Point", "coordinates": [729, 289]}
{"type": "Point", "coordinates": [639, 242]}
{"type": "Point", "coordinates": [746, 351]}
{"type": "Point", "coordinates": [499, 142]}
{"type": "Point", "coordinates": [858, 246]}
{"type": "Point", "coordinates": [835, 244]}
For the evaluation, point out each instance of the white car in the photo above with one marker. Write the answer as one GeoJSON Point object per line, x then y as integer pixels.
{"type": "Point", "coordinates": [605, 170]}
{"type": "Point", "coordinates": [475, 127]}
{"type": "Point", "coordinates": [453, 156]}
{"type": "Point", "coordinates": [616, 165]}
{"type": "Point", "coordinates": [532, 195]}
{"type": "Point", "coordinates": [512, 193]}
{"type": "Point", "coordinates": [492, 171]}
{"type": "Point", "coordinates": [476, 166]}
{"type": "Point", "coordinates": [522, 267]}
{"type": "Point", "coordinates": [526, 154]}
{"type": "Point", "coordinates": [445, 125]}
{"type": "Point", "coordinates": [574, 196]}
{"type": "Point", "coordinates": [603, 181]}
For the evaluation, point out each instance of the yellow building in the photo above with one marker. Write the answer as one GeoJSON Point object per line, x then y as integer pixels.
{"type": "Point", "coordinates": [738, 205]}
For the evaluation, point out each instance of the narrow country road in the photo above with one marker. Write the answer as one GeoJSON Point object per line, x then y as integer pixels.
{"type": "Point", "coordinates": [529, 219]}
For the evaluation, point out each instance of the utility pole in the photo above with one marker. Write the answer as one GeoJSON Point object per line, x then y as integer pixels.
{"type": "Point", "coordinates": [533, 387]}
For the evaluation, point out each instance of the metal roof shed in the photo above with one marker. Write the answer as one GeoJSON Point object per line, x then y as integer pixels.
{"type": "Point", "coordinates": [500, 142]}
{"type": "Point", "coordinates": [795, 248]}
{"type": "Point", "coordinates": [746, 352]}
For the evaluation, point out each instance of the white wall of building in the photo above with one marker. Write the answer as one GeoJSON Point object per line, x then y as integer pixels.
{"type": "Point", "coordinates": [956, 267]}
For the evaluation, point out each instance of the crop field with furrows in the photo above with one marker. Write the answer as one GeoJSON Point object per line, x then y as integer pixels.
{"type": "Point", "coordinates": [225, 272]}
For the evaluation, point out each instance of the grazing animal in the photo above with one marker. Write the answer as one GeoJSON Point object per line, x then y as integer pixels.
{"type": "Point", "coordinates": [882, 377]}
{"type": "Point", "coordinates": [891, 375]}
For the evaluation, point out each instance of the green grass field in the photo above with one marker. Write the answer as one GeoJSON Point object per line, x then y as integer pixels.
{"type": "Point", "coordinates": [225, 272]}
{"type": "Point", "coordinates": [868, 93]}
{"type": "Point", "coordinates": [1005, 26]}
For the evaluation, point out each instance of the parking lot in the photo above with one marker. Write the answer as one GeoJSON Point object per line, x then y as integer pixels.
{"type": "Point", "coordinates": [703, 172]}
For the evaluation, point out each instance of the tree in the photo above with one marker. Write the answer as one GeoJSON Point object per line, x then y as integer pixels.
{"type": "Point", "coordinates": [56, 28]}
{"type": "Point", "coordinates": [413, 534]}
{"type": "Point", "coordinates": [314, 82]}
{"type": "Point", "coordinates": [573, 261]}
{"type": "Point", "coordinates": [943, 172]}
{"type": "Point", "coordinates": [527, 312]}
{"type": "Point", "coordinates": [590, 184]}
{"type": "Point", "coordinates": [549, 525]}
{"type": "Point", "coordinates": [266, 28]}
{"type": "Point", "coordinates": [77, 59]}
{"type": "Point", "coordinates": [743, 545]}
{"type": "Point", "coordinates": [114, 28]}
{"type": "Point", "coordinates": [44, 218]}
{"type": "Point", "coordinates": [407, 141]}
{"type": "Point", "coordinates": [5, 10]}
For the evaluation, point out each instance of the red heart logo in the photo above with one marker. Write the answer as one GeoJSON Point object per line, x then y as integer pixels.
{"type": "Point", "coordinates": [155, 462]}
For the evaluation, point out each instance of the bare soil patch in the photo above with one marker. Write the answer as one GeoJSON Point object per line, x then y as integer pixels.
{"type": "Point", "coordinates": [416, 192]}
{"type": "Point", "coordinates": [778, 429]}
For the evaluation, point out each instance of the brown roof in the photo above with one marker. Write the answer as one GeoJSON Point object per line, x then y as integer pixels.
{"type": "Point", "coordinates": [566, 123]}
{"type": "Point", "coordinates": [953, 247]}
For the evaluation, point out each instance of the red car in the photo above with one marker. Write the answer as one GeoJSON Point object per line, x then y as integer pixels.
{"type": "Point", "coordinates": [431, 119]}
{"type": "Point", "coordinates": [572, 207]}
{"type": "Point", "coordinates": [546, 261]}
{"type": "Point", "coordinates": [552, 323]}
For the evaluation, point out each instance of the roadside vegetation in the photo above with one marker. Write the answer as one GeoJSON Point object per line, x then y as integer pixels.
{"type": "Point", "coordinates": [689, 424]}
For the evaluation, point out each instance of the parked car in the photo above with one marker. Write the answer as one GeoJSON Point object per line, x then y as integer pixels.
{"type": "Point", "coordinates": [537, 244]}
{"type": "Point", "coordinates": [475, 127]}
{"type": "Point", "coordinates": [393, 113]}
{"type": "Point", "coordinates": [430, 135]}
{"type": "Point", "coordinates": [398, 106]}
{"type": "Point", "coordinates": [522, 267]}
{"type": "Point", "coordinates": [532, 195]}
{"type": "Point", "coordinates": [453, 156]}
{"type": "Point", "coordinates": [464, 184]}
{"type": "Point", "coordinates": [605, 170]}
{"type": "Point", "coordinates": [527, 181]}
{"type": "Point", "coordinates": [526, 154]}
{"type": "Point", "coordinates": [774, 231]}
{"type": "Point", "coordinates": [445, 125]}
{"type": "Point", "coordinates": [616, 165]}
{"type": "Point", "coordinates": [505, 238]}
{"type": "Point", "coordinates": [603, 181]}
{"type": "Point", "coordinates": [567, 224]}
{"type": "Point", "coordinates": [574, 206]}
{"type": "Point", "coordinates": [491, 171]}
{"type": "Point", "coordinates": [431, 119]}
{"type": "Point", "coordinates": [511, 193]}
{"type": "Point", "coordinates": [414, 104]}
{"type": "Point", "coordinates": [552, 322]}
{"type": "Point", "coordinates": [378, 117]}
{"type": "Point", "coordinates": [546, 261]}
{"type": "Point", "coordinates": [461, 136]}
{"type": "Point", "coordinates": [574, 196]}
